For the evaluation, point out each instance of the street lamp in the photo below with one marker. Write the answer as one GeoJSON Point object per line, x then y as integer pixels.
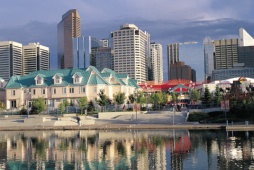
{"type": "Point", "coordinates": [224, 93]}
{"type": "Point", "coordinates": [136, 96]}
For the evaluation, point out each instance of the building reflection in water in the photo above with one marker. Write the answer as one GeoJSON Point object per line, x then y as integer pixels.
{"type": "Point", "coordinates": [155, 150]}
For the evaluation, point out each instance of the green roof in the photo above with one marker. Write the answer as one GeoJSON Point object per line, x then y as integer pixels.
{"type": "Point", "coordinates": [88, 78]}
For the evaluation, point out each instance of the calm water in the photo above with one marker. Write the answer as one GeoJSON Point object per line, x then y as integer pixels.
{"type": "Point", "coordinates": [98, 150]}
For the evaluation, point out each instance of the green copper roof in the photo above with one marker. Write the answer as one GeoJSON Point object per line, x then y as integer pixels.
{"type": "Point", "coordinates": [90, 76]}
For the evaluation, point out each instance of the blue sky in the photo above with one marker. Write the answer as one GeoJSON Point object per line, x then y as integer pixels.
{"type": "Point", "coordinates": [167, 21]}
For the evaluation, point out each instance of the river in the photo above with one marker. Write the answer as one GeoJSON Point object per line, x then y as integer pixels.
{"type": "Point", "coordinates": [120, 150]}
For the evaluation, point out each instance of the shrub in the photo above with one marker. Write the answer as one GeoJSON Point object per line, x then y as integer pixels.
{"type": "Point", "coordinates": [197, 116]}
{"type": "Point", "coordinates": [215, 113]}
{"type": "Point", "coordinates": [23, 111]}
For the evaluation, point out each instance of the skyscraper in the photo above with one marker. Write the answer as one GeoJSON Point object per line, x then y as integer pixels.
{"type": "Point", "coordinates": [131, 49]}
{"type": "Point", "coordinates": [153, 66]}
{"type": "Point", "coordinates": [67, 29]}
{"type": "Point", "coordinates": [102, 58]}
{"type": "Point", "coordinates": [225, 53]}
{"type": "Point", "coordinates": [208, 58]}
{"type": "Point", "coordinates": [173, 55]}
{"type": "Point", "coordinates": [159, 70]}
{"type": "Point", "coordinates": [11, 59]}
{"type": "Point", "coordinates": [35, 57]}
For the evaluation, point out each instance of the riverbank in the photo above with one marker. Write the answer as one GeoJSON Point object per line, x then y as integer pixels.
{"type": "Point", "coordinates": [162, 120]}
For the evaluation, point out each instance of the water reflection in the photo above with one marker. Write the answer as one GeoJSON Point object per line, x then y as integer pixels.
{"type": "Point", "coordinates": [161, 149]}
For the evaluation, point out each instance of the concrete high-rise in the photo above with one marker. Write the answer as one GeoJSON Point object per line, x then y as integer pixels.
{"type": "Point", "coordinates": [159, 70]}
{"type": "Point", "coordinates": [67, 29]}
{"type": "Point", "coordinates": [180, 71]}
{"type": "Point", "coordinates": [153, 66]}
{"type": "Point", "coordinates": [35, 57]}
{"type": "Point", "coordinates": [11, 59]}
{"type": "Point", "coordinates": [225, 53]}
{"type": "Point", "coordinates": [173, 55]}
{"type": "Point", "coordinates": [131, 50]}
{"type": "Point", "coordinates": [208, 57]}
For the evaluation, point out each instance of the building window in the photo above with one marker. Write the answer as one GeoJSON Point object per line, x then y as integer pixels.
{"type": "Point", "coordinates": [43, 91]}
{"type": "Point", "coordinates": [34, 92]}
{"type": "Point", "coordinates": [13, 104]}
{"type": "Point", "coordinates": [76, 80]}
{"type": "Point", "coordinates": [13, 92]}
{"type": "Point", "coordinates": [57, 81]}
{"type": "Point", "coordinates": [71, 90]}
{"type": "Point", "coordinates": [83, 89]}
{"type": "Point", "coordinates": [95, 89]}
{"type": "Point", "coordinates": [54, 91]}
{"type": "Point", "coordinates": [64, 90]}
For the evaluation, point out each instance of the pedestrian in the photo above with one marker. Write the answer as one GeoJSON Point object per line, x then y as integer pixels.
{"type": "Point", "coordinates": [78, 121]}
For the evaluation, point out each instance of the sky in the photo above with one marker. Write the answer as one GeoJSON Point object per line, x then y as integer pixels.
{"type": "Point", "coordinates": [167, 21]}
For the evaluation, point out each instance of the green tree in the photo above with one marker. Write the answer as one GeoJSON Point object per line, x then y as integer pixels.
{"type": "Point", "coordinates": [103, 99]}
{"type": "Point", "coordinates": [38, 105]}
{"type": "Point", "coordinates": [174, 97]}
{"type": "Point", "coordinates": [61, 108]}
{"type": "Point", "coordinates": [131, 98]}
{"type": "Point", "coordinates": [159, 97]}
{"type": "Point", "coordinates": [164, 98]}
{"type": "Point", "coordinates": [217, 95]}
{"type": "Point", "coordinates": [82, 102]}
{"type": "Point", "coordinates": [119, 98]}
{"type": "Point", "coordinates": [194, 95]}
{"type": "Point", "coordinates": [206, 98]}
{"type": "Point", "coordinates": [2, 106]}
{"type": "Point", "coordinates": [90, 107]}
{"type": "Point", "coordinates": [141, 99]}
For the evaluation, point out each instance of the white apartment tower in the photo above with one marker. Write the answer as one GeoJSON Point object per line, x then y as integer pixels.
{"type": "Point", "coordinates": [153, 65]}
{"type": "Point", "coordinates": [11, 59]}
{"type": "Point", "coordinates": [131, 50]}
{"type": "Point", "coordinates": [158, 48]}
{"type": "Point", "coordinates": [35, 57]}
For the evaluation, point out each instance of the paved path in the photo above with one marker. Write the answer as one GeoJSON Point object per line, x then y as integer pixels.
{"type": "Point", "coordinates": [151, 120]}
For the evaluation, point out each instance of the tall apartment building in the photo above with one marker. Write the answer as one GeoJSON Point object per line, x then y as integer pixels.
{"type": "Point", "coordinates": [173, 55]}
{"type": "Point", "coordinates": [159, 70]}
{"type": "Point", "coordinates": [11, 59]}
{"type": "Point", "coordinates": [131, 50]}
{"type": "Point", "coordinates": [153, 66]}
{"type": "Point", "coordinates": [208, 57]}
{"type": "Point", "coordinates": [35, 57]}
{"type": "Point", "coordinates": [225, 53]}
{"type": "Point", "coordinates": [67, 29]}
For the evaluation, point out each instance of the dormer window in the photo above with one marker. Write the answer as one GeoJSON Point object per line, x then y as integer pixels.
{"type": "Point", "coordinates": [39, 79]}
{"type": "Point", "coordinates": [77, 77]}
{"type": "Point", "coordinates": [58, 78]}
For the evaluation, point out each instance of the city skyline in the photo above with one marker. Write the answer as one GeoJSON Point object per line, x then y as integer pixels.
{"type": "Point", "coordinates": [168, 23]}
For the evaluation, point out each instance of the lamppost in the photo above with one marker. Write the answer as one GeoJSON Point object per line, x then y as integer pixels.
{"type": "Point", "coordinates": [136, 96]}
{"type": "Point", "coordinates": [27, 102]}
{"type": "Point", "coordinates": [146, 90]}
{"type": "Point", "coordinates": [224, 93]}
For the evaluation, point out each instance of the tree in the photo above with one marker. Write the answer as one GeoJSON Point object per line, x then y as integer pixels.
{"type": "Point", "coordinates": [174, 97]}
{"type": "Point", "coordinates": [194, 95]}
{"type": "Point", "coordinates": [217, 95]}
{"type": "Point", "coordinates": [82, 102]}
{"type": "Point", "coordinates": [206, 98]}
{"type": "Point", "coordinates": [141, 99]}
{"type": "Point", "coordinates": [164, 98]}
{"type": "Point", "coordinates": [119, 98]}
{"type": "Point", "coordinates": [2, 106]}
{"type": "Point", "coordinates": [61, 108]}
{"type": "Point", "coordinates": [159, 97]}
{"type": "Point", "coordinates": [38, 105]}
{"type": "Point", "coordinates": [131, 98]}
{"type": "Point", "coordinates": [90, 107]}
{"type": "Point", "coordinates": [103, 99]}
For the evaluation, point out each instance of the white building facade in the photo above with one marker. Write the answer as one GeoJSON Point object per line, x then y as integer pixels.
{"type": "Point", "coordinates": [131, 50]}
{"type": "Point", "coordinates": [159, 63]}
{"type": "Point", "coordinates": [35, 57]}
